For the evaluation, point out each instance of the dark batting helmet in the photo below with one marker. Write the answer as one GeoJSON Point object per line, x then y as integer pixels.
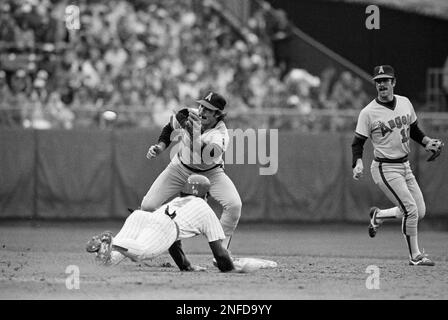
{"type": "Point", "coordinates": [197, 185]}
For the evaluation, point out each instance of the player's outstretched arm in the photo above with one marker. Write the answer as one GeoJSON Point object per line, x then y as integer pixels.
{"type": "Point", "coordinates": [178, 256]}
{"type": "Point", "coordinates": [163, 142]}
{"type": "Point", "coordinates": [222, 256]}
{"type": "Point", "coordinates": [180, 259]}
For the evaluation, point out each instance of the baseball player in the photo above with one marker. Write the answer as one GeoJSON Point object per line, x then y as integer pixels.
{"type": "Point", "coordinates": [390, 122]}
{"type": "Point", "coordinates": [146, 235]}
{"type": "Point", "coordinates": [203, 140]}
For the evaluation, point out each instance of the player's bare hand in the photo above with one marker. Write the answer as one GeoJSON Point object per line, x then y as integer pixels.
{"type": "Point", "coordinates": [193, 117]}
{"type": "Point", "coordinates": [358, 171]}
{"type": "Point", "coordinates": [153, 151]}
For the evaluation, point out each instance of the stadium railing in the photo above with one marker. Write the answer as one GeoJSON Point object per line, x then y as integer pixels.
{"type": "Point", "coordinates": [317, 120]}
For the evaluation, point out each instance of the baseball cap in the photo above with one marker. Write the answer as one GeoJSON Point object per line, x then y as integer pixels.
{"type": "Point", "coordinates": [213, 101]}
{"type": "Point", "coordinates": [383, 71]}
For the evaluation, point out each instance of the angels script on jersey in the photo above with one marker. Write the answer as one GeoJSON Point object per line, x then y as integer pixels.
{"type": "Point", "coordinates": [397, 123]}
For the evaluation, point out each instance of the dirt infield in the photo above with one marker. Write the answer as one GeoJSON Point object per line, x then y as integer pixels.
{"type": "Point", "coordinates": [314, 262]}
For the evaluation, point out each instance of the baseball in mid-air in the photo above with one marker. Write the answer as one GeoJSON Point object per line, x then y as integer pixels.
{"type": "Point", "coordinates": [109, 115]}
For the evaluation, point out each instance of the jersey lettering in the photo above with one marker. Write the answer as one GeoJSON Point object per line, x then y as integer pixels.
{"type": "Point", "coordinates": [404, 120]}
{"type": "Point", "coordinates": [392, 124]}
{"type": "Point", "coordinates": [398, 122]}
{"type": "Point", "coordinates": [405, 135]}
{"type": "Point", "coordinates": [384, 129]}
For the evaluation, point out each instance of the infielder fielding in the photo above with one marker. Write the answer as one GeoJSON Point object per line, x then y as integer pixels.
{"type": "Point", "coordinates": [146, 235]}
{"type": "Point", "coordinates": [390, 122]}
{"type": "Point", "coordinates": [203, 140]}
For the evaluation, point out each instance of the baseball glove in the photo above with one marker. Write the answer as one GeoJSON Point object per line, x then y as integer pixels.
{"type": "Point", "coordinates": [182, 117]}
{"type": "Point", "coordinates": [434, 146]}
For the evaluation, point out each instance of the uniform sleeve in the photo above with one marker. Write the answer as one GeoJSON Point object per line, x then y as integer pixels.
{"type": "Point", "coordinates": [363, 124]}
{"type": "Point", "coordinates": [165, 136]}
{"type": "Point", "coordinates": [413, 114]}
{"type": "Point", "coordinates": [221, 138]}
{"type": "Point", "coordinates": [211, 227]}
{"type": "Point", "coordinates": [174, 123]}
{"type": "Point", "coordinates": [416, 133]}
{"type": "Point", "coordinates": [357, 148]}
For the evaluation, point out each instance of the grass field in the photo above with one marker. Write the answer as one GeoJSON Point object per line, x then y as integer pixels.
{"type": "Point", "coordinates": [316, 262]}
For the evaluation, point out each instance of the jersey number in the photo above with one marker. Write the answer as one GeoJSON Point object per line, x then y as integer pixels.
{"type": "Point", "coordinates": [405, 135]}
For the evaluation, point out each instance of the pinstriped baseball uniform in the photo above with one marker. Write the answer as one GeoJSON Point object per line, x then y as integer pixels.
{"type": "Point", "coordinates": [173, 178]}
{"type": "Point", "coordinates": [388, 129]}
{"type": "Point", "coordinates": [149, 234]}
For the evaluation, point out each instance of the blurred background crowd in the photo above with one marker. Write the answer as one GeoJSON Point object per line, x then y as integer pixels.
{"type": "Point", "coordinates": [144, 59]}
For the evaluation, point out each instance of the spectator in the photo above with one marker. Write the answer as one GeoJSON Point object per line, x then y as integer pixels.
{"type": "Point", "coordinates": [342, 93]}
{"type": "Point", "coordinates": [9, 116]}
{"type": "Point", "coordinates": [61, 116]}
{"type": "Point", "coordinates": [115, 57]}
{"type": "Point", "coordinates": [360, 98]}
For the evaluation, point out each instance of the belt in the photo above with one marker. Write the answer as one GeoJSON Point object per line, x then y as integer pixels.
{"type": "Point", "coordinates": [199, 170]}
{"type": "Point", "coordinates": [386, 160]}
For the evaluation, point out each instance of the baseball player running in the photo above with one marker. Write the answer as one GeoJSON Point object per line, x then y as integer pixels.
{"type": "Point", "coordinates": [203, 140]}
{"type": "Point", "coordinates": [390, 121]}
{"type": "Point", "coordinates": [146, 235]}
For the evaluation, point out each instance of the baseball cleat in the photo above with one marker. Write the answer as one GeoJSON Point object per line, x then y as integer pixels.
{"type": "Point", "coordinates": [373, 225]}
{"type": "Point", "coordinates": [103, 256]}
{"type": "Point", "coordinates": [93, 245]}
{"type": "Point", "coordinates": [421, 260]}
{"type": "Point", "coordinates": [101, 245]}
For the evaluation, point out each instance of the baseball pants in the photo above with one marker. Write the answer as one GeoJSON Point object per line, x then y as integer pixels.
{"type": "Point", "coordinates": [398, 183]}
{"type": "Point", "coordinates": [171, 181]}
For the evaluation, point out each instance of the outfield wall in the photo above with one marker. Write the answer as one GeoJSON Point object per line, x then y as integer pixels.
{"type": "Point", "coordinates": [100, 173]}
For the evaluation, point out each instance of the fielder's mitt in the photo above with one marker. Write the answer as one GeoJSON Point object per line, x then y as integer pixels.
{"type": "Point", "coordinates": [182, 117]}
{"type": "Point", "coordinates": [434, 146]}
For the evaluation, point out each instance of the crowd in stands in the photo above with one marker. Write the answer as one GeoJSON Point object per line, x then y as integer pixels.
{"type": "Point", "coordinates": [144, 59]}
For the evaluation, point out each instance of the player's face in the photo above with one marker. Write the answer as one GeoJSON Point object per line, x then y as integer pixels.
{"type": "Point", "coordinates": [207, 116]}
{"type": "Point", "coordinates": [385, 88]}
